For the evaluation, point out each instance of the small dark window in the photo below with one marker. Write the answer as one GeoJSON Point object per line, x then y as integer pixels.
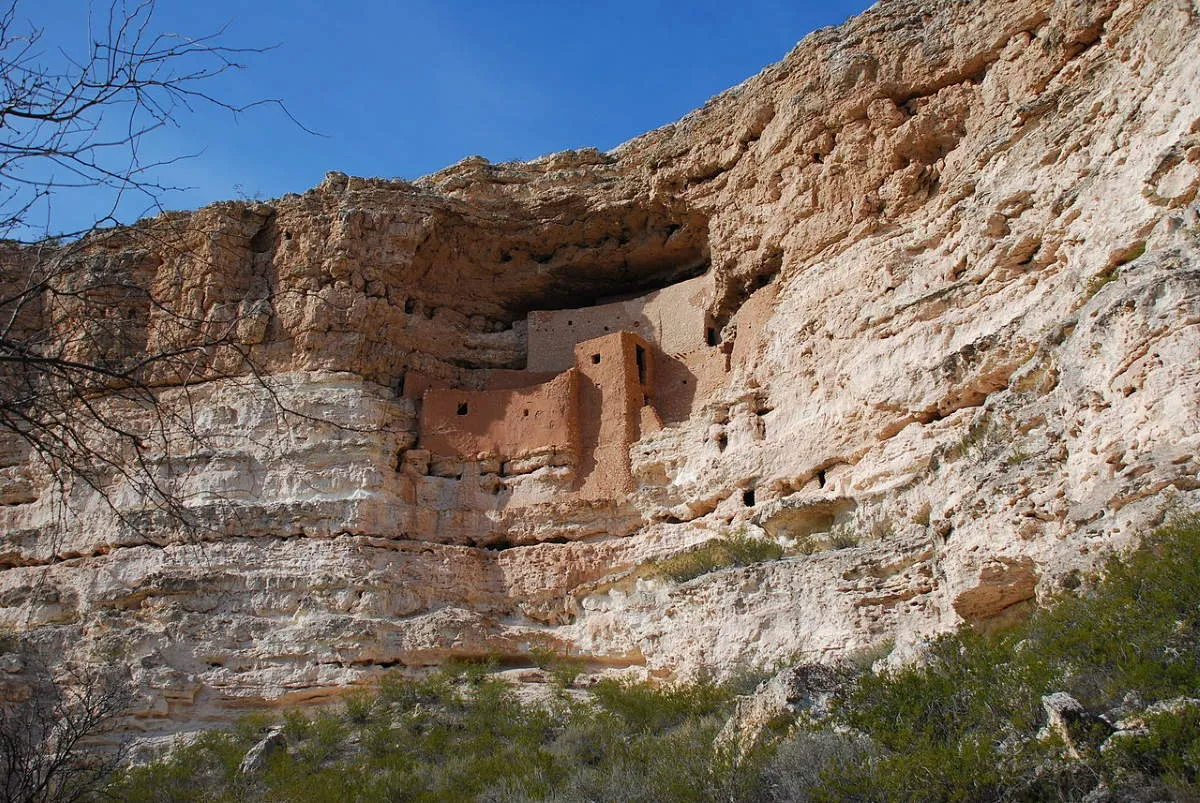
{"type": "Point", "coordinates": [748, 497]}
{"type": "Point", "coordinates": [409, 306]}
{"type": "Point", "coordinates": [462, 408]}
{"type": "Point", "coordinates": [711, 337]}
{"type": "Point", "coordinates": [606, 329]}
{"type": "Point", "coordinates": [525, 414]}
{"type": "Point", "coordinates": [595, 359]}
{"type": "Point", "coordinates": [640, 356]}
{"type": "Point", "coordinates": [570, 323]}
{"type": "Point", "coordinates": [722, 441]}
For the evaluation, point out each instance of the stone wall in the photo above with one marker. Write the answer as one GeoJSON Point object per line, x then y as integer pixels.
{"type": "Point", "coordinates": [507, 423]}
{"type": "Point", "coordinates": [592, 411]}
{"type": "Point", "coordinates": [620, 373]}
{"type": "Point", "coordinates": [674, 318]}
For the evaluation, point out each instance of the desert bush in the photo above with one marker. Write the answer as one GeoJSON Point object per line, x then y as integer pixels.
{"type": "Point", "coordinates": [964, 724]}
{"type": "Point", "coordinates": [803, 762]}
{"type": "Point", "coordinates": [1168, 752]}
{"type": "Point", "coordinates": [720, 553]}
{"type": "Point", "coordinates": [1138, 629]}
{"type": "Point", "coordinates": [205, 769]}
{"type": "Point", "coordinates": [457, 735]}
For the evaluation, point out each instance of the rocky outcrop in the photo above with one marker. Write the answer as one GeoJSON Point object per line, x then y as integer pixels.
{"type": "Point", "coordinates": [952, 260]}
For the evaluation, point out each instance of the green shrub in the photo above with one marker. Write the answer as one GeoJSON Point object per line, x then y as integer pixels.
{"type": "Point", "coordinates": [1138, 629]}
{"type": "Point", "coordinates": [455, 735]}
{"type": "Point", "coordinates": [963, 726]}
{"type": "Point", "coordinates": [206, 769]}
{"type": "Point", "coordinates": [647, 708]}
{"type": "Point", "coordinates": [563, 669]}
{"type": "Point", "coordinates": [719, 553]}
{"type": "Point", "coordinates": [358, 707]}
{"type": "Point", "coordinates": [1169, 751]}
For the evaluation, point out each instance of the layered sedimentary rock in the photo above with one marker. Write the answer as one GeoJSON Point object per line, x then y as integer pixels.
{"type": "Point", "coordinates": [921, 302]}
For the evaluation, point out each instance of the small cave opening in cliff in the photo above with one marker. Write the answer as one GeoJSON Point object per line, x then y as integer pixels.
{"type": "Point", "coordinates": [748, 497]}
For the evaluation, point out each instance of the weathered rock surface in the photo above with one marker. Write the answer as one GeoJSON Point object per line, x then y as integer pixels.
{"type": "Point", "coordinates": [953, 253]}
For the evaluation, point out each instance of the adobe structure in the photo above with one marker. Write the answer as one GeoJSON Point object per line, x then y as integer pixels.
{"type": "Point", "coordinates": [596, 380]}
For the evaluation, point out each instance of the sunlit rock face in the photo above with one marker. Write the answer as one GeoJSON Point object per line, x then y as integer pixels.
{"type": "Point", "coordinates": [921, 302]}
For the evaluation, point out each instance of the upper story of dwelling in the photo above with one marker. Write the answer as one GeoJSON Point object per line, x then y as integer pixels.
{"type": "Point", "coordinates": [675, 319]}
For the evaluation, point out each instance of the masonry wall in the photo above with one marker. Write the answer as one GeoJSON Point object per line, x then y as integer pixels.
{"type": "Point", "coordinates": [506, 423]}
{"type": "Point", "coordinates": [618, 375]}
{"type": "Point", "coordinates": [683, 382]}
{"type": "Point", "coordinates": [673, 317]}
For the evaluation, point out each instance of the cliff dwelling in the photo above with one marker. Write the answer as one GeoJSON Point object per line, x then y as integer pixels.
{"type": "Point", "coordinates": [596, 379]}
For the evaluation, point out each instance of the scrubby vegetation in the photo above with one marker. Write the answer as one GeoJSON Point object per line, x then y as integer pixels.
{"type": "Point", "coordinates": [737, 549]}
{"type": "Point", "coordinates": [460, 734]}
{"type": "Point", "coordinates": [966, 724]}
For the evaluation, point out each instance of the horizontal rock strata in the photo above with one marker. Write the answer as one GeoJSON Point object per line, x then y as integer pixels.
{"type": "Point", "coordinates": [939, 335]}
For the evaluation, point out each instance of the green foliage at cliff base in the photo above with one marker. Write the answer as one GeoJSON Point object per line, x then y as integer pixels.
{"type": "Point", "coordinates": [964, 724]}
{"type": "Point", "coordinates": [961, 726]}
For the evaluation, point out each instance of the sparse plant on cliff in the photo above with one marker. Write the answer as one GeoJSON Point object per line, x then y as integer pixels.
{"type": "Point", "coordinates": [737, 549]}
{"type": "Point", "coordinates": [983, 435]}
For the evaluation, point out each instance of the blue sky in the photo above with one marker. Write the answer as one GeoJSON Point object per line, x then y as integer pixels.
{"type": "Point", "coordinates": [400, 89]}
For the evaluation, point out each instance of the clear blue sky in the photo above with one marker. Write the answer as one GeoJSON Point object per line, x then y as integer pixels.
{"type": "Point", "coordinates": [400, 89]}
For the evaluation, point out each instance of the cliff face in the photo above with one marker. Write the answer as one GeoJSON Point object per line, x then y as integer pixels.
{"type": "Point", "coordinates": [922, 300]}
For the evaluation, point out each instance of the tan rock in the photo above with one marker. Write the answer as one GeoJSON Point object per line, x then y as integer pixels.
{"type": "Point", "coordinates": [921, 299]}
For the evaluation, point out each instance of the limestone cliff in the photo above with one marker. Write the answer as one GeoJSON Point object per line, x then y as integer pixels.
{"type": "Point", "coordinates": [921, 301]}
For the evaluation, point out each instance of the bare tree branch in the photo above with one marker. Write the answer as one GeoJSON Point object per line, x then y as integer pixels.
{"type": "Point", "coordinates": [90, 342]}
{"type": "Point", "coordinates": [51, 721]}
